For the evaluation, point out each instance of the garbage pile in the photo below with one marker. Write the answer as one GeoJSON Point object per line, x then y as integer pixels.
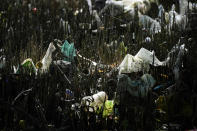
{"type": "Point", "coordinates": [107, 65]}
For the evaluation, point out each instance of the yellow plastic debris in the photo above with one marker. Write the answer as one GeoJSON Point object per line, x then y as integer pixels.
{"type": "Point", "coordinates": [108, 108]}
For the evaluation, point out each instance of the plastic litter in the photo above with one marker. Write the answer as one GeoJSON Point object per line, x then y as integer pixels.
{"type": "Point", "coordinates": [27, 66]}
{"type": "Point", "coordinates": [176, 19]}
{"type": "Point", "coordinates": [147, 40]}
{"type": "Point", "coordinates": [95, 101]}
{"type": "Point", "coordinates": [161, 14]}
{"type": "Point", "coordinates": [2, 62]}
{"type": "Point", "coordinates": [150, 24]}
{"type": "Point", "coordinates": [158, 87]}
{"type": "Point", "coordinates": [135, 88]}
{"type": "Point", "coordinates": [69, 51]}
{"type": "Point", "coordinates": [47, 60]}
{"type": "Point", "coordinates": [132, 64]}
{"type": "Point", "coordinates": [89, 2]}
{"type": "Point", "coordinates": [171, 127]}
{"type": "Point", "coordinates": [98, 19]}
{"type": "Point", "coordinates": [148, 80]}
{"type": "Point", "coordinates": [22, 124]}
{"type": "Point", "coordinates": [149, 57]}
{"type": "Point", "coordinates": [139, 62]}
{"type": "Point", "coordinates": [129, 5]}
{"type": "Point", "coordinates": [69, 94]}
{"type": "Point", "coordinates": [2, 59]}
{"type": "Point", "coordinates": [108, 108]}
{"type": "Point", "coordinates": [63, 64]}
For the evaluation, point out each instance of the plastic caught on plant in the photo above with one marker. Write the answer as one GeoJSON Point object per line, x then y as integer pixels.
{"type": "Point", "coordinates": [95, 101]}
{"type": "Point", "coordinates": [149, 57]}
{"type": "Point", "coordinates": [139, 62]}
{"type": "Point", "coordinates": [132, 64]}
{"type": "Point", "coordinates": [108, 108]}
{"type": "Point", "coordinates": [2, 59]}
{"type": "Point", "coordinates": [135, 88]}
{"type": "Point", "coordinates": [47, 60]}
{"type": "Point", "coordinates": [69, 51]}
{"type": "Point", "coordinates": [28, 66]}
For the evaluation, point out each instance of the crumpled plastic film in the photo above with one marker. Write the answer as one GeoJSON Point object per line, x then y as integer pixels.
{"type": "Point", "coordinates": [149, 57]}
{"type": "Point", "coordinates": [139, 62]}
{"type": "Point", "coordinates": [69, 51]}
{"type": "Point", "coordinates": [95, 101]}
{"type": "Point", "coordinates": [28, 64]}
{"type": "Point", "coordinates": [135, 88]}
{"type": "Point", "coordinates": [133, 64]}
{"type": "Point", "coordinates": [108, 108]}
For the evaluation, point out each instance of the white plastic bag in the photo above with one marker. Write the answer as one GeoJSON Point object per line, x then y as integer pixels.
{"type": "Point", "coordinates": [148, 57]}
{"type": "Point", "coordinates": [133, 64]}
{"type": "Point", "coordinates": [47, 60]}
{"type": "Point", "coordinates": [139, 62]}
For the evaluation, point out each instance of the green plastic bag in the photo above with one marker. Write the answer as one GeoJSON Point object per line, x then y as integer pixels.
{"type": "Point", "coordinates": [27, 66]}
{"type": "Point", "coordinates": [69, 51]}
